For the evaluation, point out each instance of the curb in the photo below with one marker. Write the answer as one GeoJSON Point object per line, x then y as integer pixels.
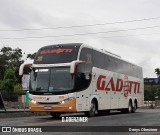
{"type": "Point", "coordinates": [20, 113]}
{"type": "Point", "coordinates": [14, 111]}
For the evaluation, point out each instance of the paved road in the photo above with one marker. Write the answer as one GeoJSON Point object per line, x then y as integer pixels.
{"type": "Point", "coordinates": [143, 117]}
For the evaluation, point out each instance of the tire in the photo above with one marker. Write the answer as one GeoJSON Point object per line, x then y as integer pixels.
{"type": "Point", "coordinates": [55, 115]}
{"type": "Point", "coordinates": [92, 111]}
{"type": "Point", "coordinates": [134, 108]}
{"type": "Point", "coordinates": [130, 108]}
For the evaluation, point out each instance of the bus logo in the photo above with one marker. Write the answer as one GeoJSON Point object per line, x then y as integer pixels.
{"type": "Point", "coordinates": [126, 86]}
{"type": "Point", "coordinates": [109, 84]}
{"type": "Point", "coordinates": [47, 99]}
{"type": "Point", "coordinates": [57, 51]}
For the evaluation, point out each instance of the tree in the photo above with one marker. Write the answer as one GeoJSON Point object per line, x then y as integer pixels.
{"type": "Point", "coordinates": [157, 71]}
{"type": "Point", "coordinates": [8, 81]}
{"type": "Point", "coordinates": [18, 88]}
{"type": "Point", "coordinates": [146, 95]}
{"type": "Point", "coordinates": [158, 94]}
{"type": "Point", "coordinates": [4, 60]}
{"type": "Point", "coordinates": [10, 58]}
{"type": "Point", "coordinates": [31, 56]}
{"type": "Point", "coordinates": [0, 85]}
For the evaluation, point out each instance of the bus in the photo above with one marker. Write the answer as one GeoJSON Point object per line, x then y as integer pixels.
{"type": "Point", "coordinates": [75, 77]}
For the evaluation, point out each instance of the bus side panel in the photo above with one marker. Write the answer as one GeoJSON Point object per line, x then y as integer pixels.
{"type": "Point", "coordinates": [104, 96]}
{"type": "Point", "coordinates": [83, 99]}
{"type": "Point", "coordinates": [115, 90]}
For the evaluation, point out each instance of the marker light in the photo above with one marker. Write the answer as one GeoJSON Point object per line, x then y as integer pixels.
{"type": "Point", "coordinates": [66, 100]}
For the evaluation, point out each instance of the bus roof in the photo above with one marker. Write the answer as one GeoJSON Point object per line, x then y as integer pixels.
{"type": "Point", "coordinates": [108, 53]}
{"type": "Point", "coordinates": [60, 45]}
{"type": "Point", "coordinates": [82, 45]}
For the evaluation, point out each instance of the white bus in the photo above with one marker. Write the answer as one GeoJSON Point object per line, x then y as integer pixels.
{"type": "Point", "coordinates": [78, 78]}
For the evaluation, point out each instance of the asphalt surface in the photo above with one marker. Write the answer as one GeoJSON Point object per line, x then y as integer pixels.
{"type": "Point", "coordinates": [115, 121]}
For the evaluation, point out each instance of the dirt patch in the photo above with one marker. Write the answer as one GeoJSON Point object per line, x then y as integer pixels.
{"type": "Point", "coordinates": [14, 105]}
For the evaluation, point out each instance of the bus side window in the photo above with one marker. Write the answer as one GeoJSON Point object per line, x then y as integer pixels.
{"type": "Point", "coordinates": [86, 55]}
{"type": "Point", "coordinates": [83, 76]}
{"type": "Point", "coordinates": [99, 59]}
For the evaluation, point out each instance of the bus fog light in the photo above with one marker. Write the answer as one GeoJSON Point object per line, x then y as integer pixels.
{"type": "Point", "coordinates": [70, 108]}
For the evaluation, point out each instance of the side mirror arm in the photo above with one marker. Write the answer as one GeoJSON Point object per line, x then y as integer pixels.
{"type": "Point", "coordinates": [22, 68]}
{"type": "Point", "coordinates": [73, 66]}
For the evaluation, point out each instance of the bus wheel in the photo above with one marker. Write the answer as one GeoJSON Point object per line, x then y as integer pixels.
{"type": "Point", "coordinates": [134, 108]}
{"type": "Point", "coordinates": [129, 109]}
{"type": "Point", "coordinates": [55, 115]}
{"type": "Point", "coordinates": [92, 111]}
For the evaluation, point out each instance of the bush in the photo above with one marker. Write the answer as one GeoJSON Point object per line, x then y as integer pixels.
{"type": "Point", "coordinates": [8, 81]}
{"type": "Point", "coordinates": [0, 85]}
{"type": "Point", "coordinates": [18, 89]}
{"type": "Point", "coordinates": [12, 98]}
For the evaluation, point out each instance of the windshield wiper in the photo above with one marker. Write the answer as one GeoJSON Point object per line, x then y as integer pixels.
{"type": "Point", "coordinates": [58, 89]}
{"type": "Point", "coordinates": [39, 88]}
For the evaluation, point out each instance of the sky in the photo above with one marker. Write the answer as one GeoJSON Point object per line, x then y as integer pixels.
{"type": "Point", "coordinates": [129, 28]}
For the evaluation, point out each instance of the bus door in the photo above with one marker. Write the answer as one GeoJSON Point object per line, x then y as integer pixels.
{"type": "Point", "coordinates": [83, 86]}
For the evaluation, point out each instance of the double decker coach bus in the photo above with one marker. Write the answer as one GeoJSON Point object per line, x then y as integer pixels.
{"type": "Point", "coordinates": [78, 78]}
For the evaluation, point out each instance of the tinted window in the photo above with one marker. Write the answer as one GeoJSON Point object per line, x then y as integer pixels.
{"type": "Point", "coordinates": [83, 76]}
{"type": "Point", "coordinates": [57, 54]}
{"type": "Point", "coordinates": [86, 55]}
{"type": "Point", "coordinates": [99, 59]}
{"type": "Point", "coordinates": [113, 64]}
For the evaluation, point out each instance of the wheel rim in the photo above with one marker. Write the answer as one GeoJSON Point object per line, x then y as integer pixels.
{"type": "Point", "coordinates": [135, 107]}
{"type": "Point", "coordinates": [93, 108]}
{"type": "Point", "coordinates": [130, 107]}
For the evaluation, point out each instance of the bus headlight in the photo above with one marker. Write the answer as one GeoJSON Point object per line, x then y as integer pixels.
{"type": "Point", "coordinates": [33, 101]}
{"type": "Point", "coordinates": [66, 100]}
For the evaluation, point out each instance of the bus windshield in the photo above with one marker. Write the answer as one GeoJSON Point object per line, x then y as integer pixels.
{"type": "Point", "coordinates": [51, 79]}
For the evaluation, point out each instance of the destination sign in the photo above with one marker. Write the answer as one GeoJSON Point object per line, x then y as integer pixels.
{"type": "Point", "coordinates": [56, 54]}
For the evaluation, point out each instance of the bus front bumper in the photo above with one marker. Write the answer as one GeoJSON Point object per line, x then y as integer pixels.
{"type": "Point", "coordinates": [69, 106]}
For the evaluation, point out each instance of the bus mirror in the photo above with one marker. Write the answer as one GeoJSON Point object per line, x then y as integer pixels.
{"type": "Point", "coordinates": [21, 69]}
{"type": "Point", "coordinates": [84, 68]}
{"type": "Point", "coordinates": [73, 66]}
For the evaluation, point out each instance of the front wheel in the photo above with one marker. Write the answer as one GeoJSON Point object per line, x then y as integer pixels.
{"type": "Point", "coordinates": [55, 115]}
{"type": "Point", "coordinates": [92, 111]}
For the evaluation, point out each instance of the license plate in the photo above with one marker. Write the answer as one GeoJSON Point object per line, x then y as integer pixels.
{"type": "Point", "coordinates": [47, 107]}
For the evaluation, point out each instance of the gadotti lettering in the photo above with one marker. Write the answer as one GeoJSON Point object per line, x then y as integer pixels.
{"type": "Point", "coordinates": [57, 51]}
{"type": "Point", "coordinates": [110, 84]}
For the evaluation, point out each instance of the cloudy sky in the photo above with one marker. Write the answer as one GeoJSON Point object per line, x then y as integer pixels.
{"type": "Point", "coordinates": [129, 28]}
